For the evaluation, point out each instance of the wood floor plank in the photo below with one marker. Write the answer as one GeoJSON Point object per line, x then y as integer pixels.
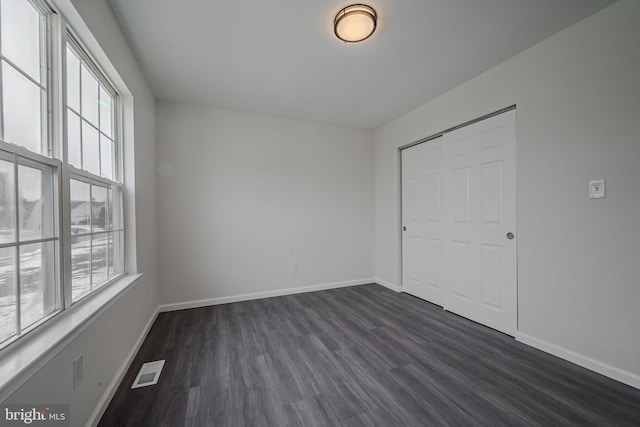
{"type": "Point", "coordinates": [358, 356]}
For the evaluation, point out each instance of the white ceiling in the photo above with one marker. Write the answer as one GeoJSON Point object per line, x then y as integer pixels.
{"type": "Point", "coordinates": [280, 57]}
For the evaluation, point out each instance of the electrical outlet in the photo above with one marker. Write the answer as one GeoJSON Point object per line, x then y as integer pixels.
{"type": "Point", "coordinates": [294, 267]}
{"type": "Point", "coordinates": [78, 371]}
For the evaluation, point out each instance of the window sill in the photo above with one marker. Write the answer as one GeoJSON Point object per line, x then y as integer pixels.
{"type": "Point", "coordinates": [22, 359]}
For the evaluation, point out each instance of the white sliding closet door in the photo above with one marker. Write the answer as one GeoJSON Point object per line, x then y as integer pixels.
{"type": "Point", "coordinates": [459, 220]}
{"type": "Point", "coordinates": [422, 246]}
{"type": "Point", "coordinates": [480, 220]}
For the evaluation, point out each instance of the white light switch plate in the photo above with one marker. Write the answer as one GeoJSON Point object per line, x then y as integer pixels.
{"type": "Point", "coordinates": [597, 189]}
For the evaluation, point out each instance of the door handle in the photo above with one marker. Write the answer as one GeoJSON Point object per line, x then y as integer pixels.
{"type": "Point", "coordinates": [404, 228]}
{"type": "Point", "coordinates": [510, 235]}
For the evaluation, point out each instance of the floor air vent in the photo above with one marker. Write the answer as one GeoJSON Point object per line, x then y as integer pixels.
{"type": "Point", "coordinates": [149, 374]}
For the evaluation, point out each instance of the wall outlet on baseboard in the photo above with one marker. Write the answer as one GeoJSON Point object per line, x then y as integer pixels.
{"type": "Point", "coordinates": [294, 267]}
{"type": "Point", "coordinates": [78, 371]}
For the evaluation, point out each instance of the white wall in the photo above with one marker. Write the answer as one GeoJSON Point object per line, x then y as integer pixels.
{"type": "Point", "coordinates": [107, 342]}
{"type": "Point", "coordinates": [243, 196]}
{"type": "Point", "coordinates": [578, 119]}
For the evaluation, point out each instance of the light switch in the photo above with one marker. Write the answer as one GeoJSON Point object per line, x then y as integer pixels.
{"type": "Point", "coordinates": [597, 189]}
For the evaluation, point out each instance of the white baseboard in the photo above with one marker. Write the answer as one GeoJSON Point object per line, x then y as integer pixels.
{"type": "Point", "coordinates": [602, 368]}
{"type": "Point", "coordinates": [388, 285]}
{"type": "Point", "coordinates": [259, 295]}
{"type": "Point", "coordinates": [111, 389]}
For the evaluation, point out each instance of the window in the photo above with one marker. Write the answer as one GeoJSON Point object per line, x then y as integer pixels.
{"type": "Point", "coordinates": [24, 66]}
{"type": "Point", "coordinates": [97, 234]}
{"type": "Point", "coordinates": [54, 250]}
{"type": "Point", "coordinates": [29, 240]}
{"type": "Point", "coordinates": [90, 111]}
{"type": "Point", "coordinates": [28, 244]}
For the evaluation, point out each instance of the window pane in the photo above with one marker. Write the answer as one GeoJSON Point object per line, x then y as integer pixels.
{"type": "Point", "coordinates": [73, 138]}
{"type": "Point", "coordinates": [110, 256]}
{"type": "Point", "coordinates": [118, 258]}
{"type": "Point", "coordinates": [106, 102]}
{"type": "Point", "coordinates": [7, 205]}
{"type": "Point", "coordinates": [80, 220]}
{"type": "Point", "coordinates": [90, 149]}
{"type": "Point", "coordinates": [37, 282]}
{"type": "Point", "coordinates": [116, 207]}
{"type": "Point", "coordinates": [109, 216]}
{"type": "Point", "coordinates": [7, 293]}
{"type": "Point", "coordinates": [99, 260]}
{"type": "Point", "coordinates": [89, 97]}
{"type": "Point", "coordinates": [98, 208]}
{"type": "Point", "coordinates": [21, 109]}
{"type": "Point", "coordinates": [80, 266]}
{"type": "Point", "coordinates": [30, 199]}
{"type": "Point", "coordinates": [73, 80]}
{"type": "Point", "coordinates": [21, 35]}
{"type": "Point", "coordinates": [106, 157]}
{"type": "Point", "coordinates": [35, 198]}
{"type": "Point", "coordinates": [115, 258]}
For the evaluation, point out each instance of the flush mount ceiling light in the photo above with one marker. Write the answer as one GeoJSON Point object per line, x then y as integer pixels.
{"type": "Point", "coordinates": [355, 23]}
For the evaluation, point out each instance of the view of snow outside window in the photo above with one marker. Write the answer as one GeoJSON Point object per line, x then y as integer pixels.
{"type": "Point", "coordinates": [96, 236]}
{"type": "Point", "coordinates": [30, 251]}
{"type": "Point", "coordinates": [26, 260]}
{"type": "Point", "coordinates": [94, 239]}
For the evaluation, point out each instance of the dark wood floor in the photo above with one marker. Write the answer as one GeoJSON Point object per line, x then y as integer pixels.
{"type": "Point", "coordinates": [359, 356]}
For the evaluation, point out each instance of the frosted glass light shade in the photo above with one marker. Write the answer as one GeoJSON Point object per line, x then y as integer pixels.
{"type": "Point", "coordinates": [355, 23]}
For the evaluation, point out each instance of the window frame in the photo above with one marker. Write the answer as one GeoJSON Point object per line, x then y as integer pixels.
{"type": "Point", "coordinates": [45, 158]}
{"type": "Point", "coordinates": [22, 156]}
{"type": "Point", "coordinates": [55, 35]}
{"type": "Point", "coordinates": [72, 172]}
{"type": "Point", "coordinates": [118, 228]}
{"type": "Point", "coordinates": [46, 25]}
{"type": "Point", "coordinates": [82, 53]}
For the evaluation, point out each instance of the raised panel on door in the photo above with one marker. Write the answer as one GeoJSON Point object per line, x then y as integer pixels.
{"type": "Point", "coordinates": [491, 179]}
{"type": "Point", "coordinates": [412, 272]}
{"type": "Point", "coordinates": [490, 278]}
{"type": "Point", "coordinates": [459, 283]}
{"type": "Point", "coordinates": [480, 209]}
{"type": "Point", "coordinates": [460, 195]}
{"type": "Point", "coordinates": [434, 263]}
{"type": "Point", "coordinates": [422, 212]}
